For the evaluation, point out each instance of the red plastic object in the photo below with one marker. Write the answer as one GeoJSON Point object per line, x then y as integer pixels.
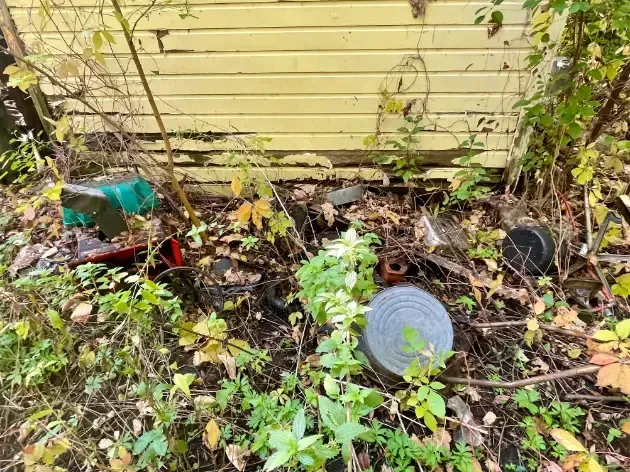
{"type": "Point", "coordinates": [170, 255]}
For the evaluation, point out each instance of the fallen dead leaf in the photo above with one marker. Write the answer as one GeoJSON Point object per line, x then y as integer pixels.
{"type": "Point", "coordinates": [625, 427]}
{"type": "Point", "coordinates": [230, 364]}
{"type": "Point", "coordinates": [73, 301]}
{"type": "Point", "coordinates": [137, 427]}
{"type": "Point", "coordinates": [302, 192]}
{"type": "Point", "coordinates": [473, 393]}
{"type": "Point", "coordinates": [105, 443]}
{"type": "Point", "coordinates": [567, 440]}
{"type": "Point", "coordinates": [539, 365]}
{"type": "Point", "coordinates": [493, 466]}
{"type": "Point", "coordinates": [329, 213]}
{"type": "Point", "coordinates": [211, 435]}
{"type": "Point", "coordinates": [29, 214]}
{"type": "Point", "coordinates": [237, 456]}
{"type": "Point", "coordinates": [572, 461]}
{"type": "Point", "coordinates": [539, 307]}
{"type": "Point", "coordinates": [476, 466]}
{"type": "Point", "coordinates": [615, 376]}
{"type": "Point", "coordinates": [489, 418]}
{"type": "Point", "coordinates": [552, 467]}
{"type": "Point", "coordinates": [501, 399]}
{"type": "Point", "coordinates": [81, 313]}
{"type": "Point", "coordinates": [440, 438]}
{"type": "Point", "coordinates": [239, 277]}
{"type": "Point", "coordinates": [603, 358]}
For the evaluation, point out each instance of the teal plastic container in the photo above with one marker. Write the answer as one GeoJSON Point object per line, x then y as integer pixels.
{"type": "Point", "coordinates": [132, 195]}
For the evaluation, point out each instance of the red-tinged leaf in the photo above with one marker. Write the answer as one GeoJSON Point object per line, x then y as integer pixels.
{"type": "Point", "coordinates": [603, 358]}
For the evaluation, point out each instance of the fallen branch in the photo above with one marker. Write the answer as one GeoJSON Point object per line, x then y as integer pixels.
{"type": "Point", "coordinates": [595, 398]}
{"type": "Point", "coordinates": [507, 324]}
{"type": "Point", "coordinates": [564, 374]}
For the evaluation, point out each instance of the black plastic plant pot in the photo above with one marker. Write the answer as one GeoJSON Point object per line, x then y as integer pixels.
{"type": "Point", "coordinates": [393, 310]}
{"type": "Point", "coordinates": [530, 249]}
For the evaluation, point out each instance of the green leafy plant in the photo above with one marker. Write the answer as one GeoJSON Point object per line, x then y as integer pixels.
{"type": "Point", "coordinates": [428, 404]}
{"type": "Point", "coordinates": [293, 448]}
{"type": "Point", "coordinates": [466, 184]}
{"type": "Point", "coordinates": [347, 264]}
{"type": "Point", "coordinates": [17, 164]}
{"type": "Point", "coordinates": [407, 160]}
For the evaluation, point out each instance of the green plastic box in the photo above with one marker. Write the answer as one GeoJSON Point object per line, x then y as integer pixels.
{"type": "Point", "coordinates": [132, 195]}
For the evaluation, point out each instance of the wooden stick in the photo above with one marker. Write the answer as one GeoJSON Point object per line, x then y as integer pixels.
{"type": "Point", "coordinates": [170, 167]}
{"type": "Point", "coordinates": [563, 374]}
{"type": "Point", "coordinates": [506, 324]}
{"type": "Point", "coordinates": [596, 398]}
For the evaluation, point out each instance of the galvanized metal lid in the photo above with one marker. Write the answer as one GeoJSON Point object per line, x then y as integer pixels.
{"type": "Point", "coordinates": [393, 309]}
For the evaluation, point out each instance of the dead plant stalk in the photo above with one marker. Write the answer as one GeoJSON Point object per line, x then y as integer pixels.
{"type": "Point", "coordinates": [170, 166]}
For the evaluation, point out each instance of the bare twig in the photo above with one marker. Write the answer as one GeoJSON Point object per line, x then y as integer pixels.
{"type": "Point", "coordinates": [595, 398]}
{"type": "Point", "coordinates": [563, 374]}
{"type": "Point", "coordinates": [507, 324]}
{"type": "Point", "coordinates": [170, 167]}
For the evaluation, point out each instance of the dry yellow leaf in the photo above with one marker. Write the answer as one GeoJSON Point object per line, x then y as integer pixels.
{"type": "Point", "coordinates": [539, 307]}
{"type": "Point", "coordinates": [477, 293]}
{"type": "Point", "coordinates": [533, 325]}
{"type": "Point", "coordinates": [567, 440]}
{"type": "Point", "coordinates": [592, 466]}
{"type": "Point", "coordinates": [236, 346]}
{"type": "Point", "coordinates": [573, 461]}
{"type": "Point", "coordinates": [625, 427]}
{"type": "Point", "coordinates": [211, 435]}
{"type": "Point", "coordinates": [263, 207]}
{"type": "Point", "coordinates": [236, 185]}
{"type": "Point", "coordinates": [615, 376]}
{"type": "Point", "coordinates": [244, 212]}
{"type": "Point", "coordinates": [257, 219]}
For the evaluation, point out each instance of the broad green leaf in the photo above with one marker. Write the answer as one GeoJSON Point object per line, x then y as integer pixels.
{"type": "Point", "coordinates": [623, 329]}
{"type": "Point", "coordinates": [332, 413]}
{"type": "Point", "coordinates": [280, 439]}
{"type": "Point", "coordinates": [348, 431]}
{"type": "Point", "coordinates": [436, 404]}
{"type": "Point", "coordinates": [307, 441]}
{"type": "Point", "coordinates": [97, 40]}
{"type": "Point", "coordinates": [299, 424]}
{"type": "Point", "coordinates": [409, 334]}
{"type": "Point", "coordinates": [574, 130]}
{"type": "Point", "coordinates": [305, 459]}
{"type": "Point", "coordinates": [497, 17]}
{"type": "Point", "coordinates": [374, 399]}
{"type": "Point", "coordinates": [331, 387]}
{"type": "Point", "coordinates": [277, 459]}
{"type": "Point", "coordinates": [182, 382]}
{"type": "Point", "coordinates": [605, 335]}
{"type": "Point", "coordinates": [55, 319]}
{"type": "Point", "coordinates": [430, 421]}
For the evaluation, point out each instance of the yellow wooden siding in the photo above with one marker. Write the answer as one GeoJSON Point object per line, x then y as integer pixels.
{"type": "Point", "coordinates": [337, 141]}
{"type": "Point", "coordinates": [267, 15]}
{"type": "Point", "coordinates": [307, 74]}
{"type": "Point", "coordinates": [283, 104]}
{"type": "Point", "coordinates": [374, 38]}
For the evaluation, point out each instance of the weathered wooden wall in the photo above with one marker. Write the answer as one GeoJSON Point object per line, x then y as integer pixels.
{"type": "Point", "coordinates": [306, 74]}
